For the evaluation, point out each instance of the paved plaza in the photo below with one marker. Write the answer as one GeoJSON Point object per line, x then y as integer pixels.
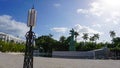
{"type": "Point", "coordinates": [16, 61]}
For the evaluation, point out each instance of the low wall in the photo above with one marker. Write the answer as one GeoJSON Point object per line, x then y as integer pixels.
{"type": "Point", "coordinates": [73, 54]}
{"type": "Point", "coordinates": [102, 53]}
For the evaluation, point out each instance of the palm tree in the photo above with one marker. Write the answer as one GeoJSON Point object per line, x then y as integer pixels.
{"type": "Point", "coordinates": [85, 37]}
{"type": "Point", "coordinates": [92, 38]}
{"type": "Point", "coordinates": [96, 37]}
{"type": "Point", "coordinates": [50, 35]}
{"type": "Point", "coordinates": [112, 34]}
{"type": "Point", "coordinates": [76, 34]}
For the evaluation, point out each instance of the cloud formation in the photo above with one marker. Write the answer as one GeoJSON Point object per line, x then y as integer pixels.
{"type": "Point", "coordinates": [80, 29]}
{"type": "Point", "coordinates": [10, 26]}
{"type": "Point", "coordinates": [96, 25]}
{"type": "Point", "coordinates": [108, 10]}
{"type": "Point", "coordinates": [59, 29]}
{"type": "Point", "coordinates": [85, 29]}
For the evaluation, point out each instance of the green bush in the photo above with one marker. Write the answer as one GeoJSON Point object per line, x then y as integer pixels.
{"type": "Point", "coordinates": [11, 47]}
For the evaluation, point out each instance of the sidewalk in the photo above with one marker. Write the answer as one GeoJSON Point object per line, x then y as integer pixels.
{"type": "Point", "coordinates": [16, 61]}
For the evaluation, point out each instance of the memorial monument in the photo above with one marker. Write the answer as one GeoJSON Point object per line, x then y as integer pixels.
{"type": "Point", "coordinates": [72, 42]}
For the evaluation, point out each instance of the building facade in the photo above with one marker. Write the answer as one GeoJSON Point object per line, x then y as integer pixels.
{"type": "Point", "coordinates": [10, 38]}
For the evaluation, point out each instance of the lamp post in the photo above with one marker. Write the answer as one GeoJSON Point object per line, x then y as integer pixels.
{"type": "Point", "coordinates": [30, 38]}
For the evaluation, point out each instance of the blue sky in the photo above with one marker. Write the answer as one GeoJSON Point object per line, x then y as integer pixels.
{"type": "Point", "coordinates": [57, 17]}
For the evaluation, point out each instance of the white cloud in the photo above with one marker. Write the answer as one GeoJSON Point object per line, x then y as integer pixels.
{"type": "Point", "coordinates": [105, 14]}
{"type": "Point", "coordinates": [11, 26]}
{"type": "Point", "coordinates": [82, 11]}
{"type": "Point", "coordinates": [59, 29]}
{"type": "Point", "coordinates": [56, 5]}
{"type": "Point", "coordinates": [108, 10]}
{"type": "Point", "coordinates": [85, 29]}
{"type": "Point", "coordinates": [96, 25]}
{"type": "Point", "coordinates": [78, 28]}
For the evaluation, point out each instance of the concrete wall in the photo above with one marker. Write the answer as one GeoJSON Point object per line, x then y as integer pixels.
{"type": "Point", "coordinates": [95, 54]}
{"type": "Point", "coordinates": [73, 54]}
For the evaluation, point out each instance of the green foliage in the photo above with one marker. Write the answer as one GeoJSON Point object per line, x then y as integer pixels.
{"type": "Point", "coordinates": [49, 44]}
{"type": "Point", "coordinates": [85, 36]}
{"type": "Point", "coordinates": [115, 44]}
{"type": "Point", "coordinates": [115, 49]}
{"type": "Point", "coordinates": [45, 42]}
{"type": "Point", "coordinates": [11, 47]}
{"type": "Point", "coordinates": [89, 46]}
{"type": "Point", "coordinates": [112, 34]}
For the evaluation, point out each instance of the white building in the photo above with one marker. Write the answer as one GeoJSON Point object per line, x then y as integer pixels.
{"type": "Point", "coordinates": [8, 38]}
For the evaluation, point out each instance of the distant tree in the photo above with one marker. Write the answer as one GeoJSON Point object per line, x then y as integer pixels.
{"type": "Point", "coordinates": [50, 35]}
{"type": "Point", "coordinates": [92, 39]}
{"type": "Point", "coordinates": [96, 37]}
{"type": "Point", "coordinates": [76, 34]}
{"type": "Point", "coordinates": [112, 34]}
{"type": "Point", "coordinates": [62, 39]}
{"type": "Point", "coordinates": [85, 36]}
{"type": "Point", "coordinates": [46, 42]}
{"type": "Point", "coordinates": [116, 42]}
{"type": "Point", "coordinates": [116, 46]}
{"type": "Point", "coordinates": [63, 43]}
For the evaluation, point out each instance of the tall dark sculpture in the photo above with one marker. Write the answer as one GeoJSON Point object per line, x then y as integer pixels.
{"type": "Point", "coordinates": [72, 42]}
{"type": "Point", "coordinates": [30, 38]}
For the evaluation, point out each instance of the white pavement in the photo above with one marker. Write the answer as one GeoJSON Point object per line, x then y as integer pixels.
{"type": "Point", "coordinates": [16, 61]}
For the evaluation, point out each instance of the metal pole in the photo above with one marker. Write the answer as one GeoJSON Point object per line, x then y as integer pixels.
{"type": "Point", "coordinates": [28, 57]}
